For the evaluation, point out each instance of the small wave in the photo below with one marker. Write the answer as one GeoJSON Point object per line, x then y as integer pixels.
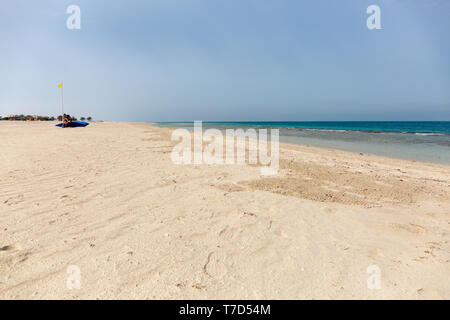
{"type": "Point", "coordinates": [376, 131]}
{"type": "Point", "coordinates": [428, 134]}
{"type": "Point", "coordinates": [324, 130]}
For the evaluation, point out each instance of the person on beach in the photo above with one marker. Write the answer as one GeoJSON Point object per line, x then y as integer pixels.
{"type": "Point", "coordinates": [67, 119]}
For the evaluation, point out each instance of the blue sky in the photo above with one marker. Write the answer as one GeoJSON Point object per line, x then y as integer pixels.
{"type": "Point", "coordinates": [181, 60]}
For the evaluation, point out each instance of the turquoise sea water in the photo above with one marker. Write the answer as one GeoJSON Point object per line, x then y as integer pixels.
{"type": "Point", "coordinates": [368, 126]}
{"type": "Point", "coordinates": [415, 140]}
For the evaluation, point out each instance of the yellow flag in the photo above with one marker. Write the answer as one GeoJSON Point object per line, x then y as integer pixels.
{"type": "Point", "coordinates": [60, 85]}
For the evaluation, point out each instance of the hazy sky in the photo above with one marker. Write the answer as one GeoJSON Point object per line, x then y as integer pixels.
{"type": "Point", "coordinates": [180, 60]}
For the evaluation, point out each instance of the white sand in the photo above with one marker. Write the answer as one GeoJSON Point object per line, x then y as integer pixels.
{"type": "Point", "coordinates": [107, 198]}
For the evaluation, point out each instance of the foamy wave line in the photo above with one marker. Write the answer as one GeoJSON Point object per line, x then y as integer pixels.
{"type": "Point", "coordinates": [326, 130]}
{"type": "Point", "coordinates": [375, 131]}
{"type": "Point", "coordinates": [429, 134]}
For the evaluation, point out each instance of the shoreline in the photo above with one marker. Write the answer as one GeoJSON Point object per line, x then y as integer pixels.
{"type": "Point", "coordinates": [354, 153]}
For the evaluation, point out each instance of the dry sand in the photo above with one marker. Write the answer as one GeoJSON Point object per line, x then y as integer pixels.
{"type": "Point", "coordinates": [107, 198]}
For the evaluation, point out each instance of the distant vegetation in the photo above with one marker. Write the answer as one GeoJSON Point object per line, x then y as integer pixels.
{"type": "Point", "coordinates": [22, 117]}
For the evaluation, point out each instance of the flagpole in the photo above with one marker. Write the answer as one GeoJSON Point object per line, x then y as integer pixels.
{"type": "Point", "coordinates": [62, 100]}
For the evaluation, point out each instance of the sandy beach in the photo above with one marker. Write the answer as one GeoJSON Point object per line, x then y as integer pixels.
{"type": "Point", "coordinates": [108, 199]}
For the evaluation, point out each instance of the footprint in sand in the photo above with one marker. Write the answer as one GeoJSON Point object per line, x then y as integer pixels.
{"type": "Point", "coordinates": [14, 200]}
{"type": "Point", "coordinates": [6, 248]}
{"type": "Point", "coordinates": [428, 293]}
{"type": "Point", "coordinates": [215, 266]}
{"type": "Point", "coordinates": [411, 227]}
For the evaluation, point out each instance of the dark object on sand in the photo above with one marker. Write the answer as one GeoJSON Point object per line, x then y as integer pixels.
{"type": "Point", "coordinates": [73, 124]}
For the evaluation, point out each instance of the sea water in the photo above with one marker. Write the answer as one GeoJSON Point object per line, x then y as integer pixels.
{"type": "Point", "coordinates": [413, 140]}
